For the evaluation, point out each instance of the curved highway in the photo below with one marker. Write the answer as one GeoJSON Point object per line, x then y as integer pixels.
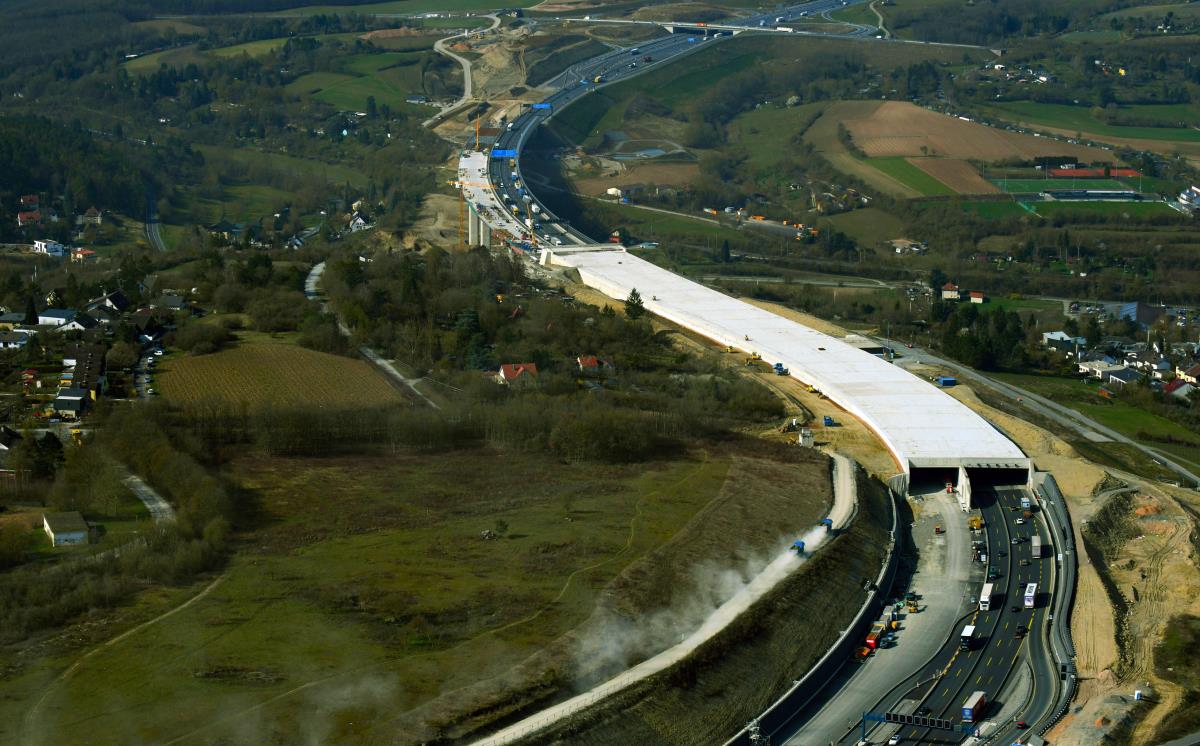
{"type": "Point", "coordinates": [1004, 631]}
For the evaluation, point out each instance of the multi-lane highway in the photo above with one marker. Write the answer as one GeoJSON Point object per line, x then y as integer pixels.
{"type": "Point", "coordinates": [1008, 634]}
{"type": "Point", "coordinates": [585, 77]}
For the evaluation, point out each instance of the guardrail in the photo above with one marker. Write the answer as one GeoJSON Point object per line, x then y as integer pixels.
{"type": "Point", "coordinates": [804, 690]}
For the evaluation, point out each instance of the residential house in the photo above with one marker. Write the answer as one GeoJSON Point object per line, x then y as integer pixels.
{"type": "Point", "coordinates": [49, 248]}
{"type": "Point", "coordinates": [358, 223]}
{"type": "Point", "coordinates": [65, 529]}
{"type": "Point", "coordinates": [977, 296]}
{"type": "Point", "coordinates": [225, 230]}
{"type": "Point", "coordinates": [83, 256]}
{"type": "Point", "coordinates": [1063, 342]}
{"type": "Point", "coordinates": [171, 302]}
{"type": "Point", "coordinates": [71, 403]}
{"type": "Point", "coordinates": [1118, 378]}
{"type": "Point", "coordinates": [29, 219]}
{"type": "Point", "coordinates": [56, 316]}
{"type": "Point", "coordinates": [518, 374]}
{"type": "Point", "coordinates": [591, 365]}
{"type": "Point", "coordinates": [1191, 375]}
{"type": "Point", "coordinates": [114, 301]}
{"type": "Point", "coordinates": [1099, 369]}
{"type": "Point", "coordinates": [11, 320]}
{"type": "Point", "coordinates": [950, 291]}
{"type": "Point", "coordinates": [28, 202]}
{"type": "Point", "coordinates": [10, 340]}
{"type": "Point", "coordinates": [81, 323]}
{"type": "Point", "coordinates": [1180, 389]}
{"type": "Point", "coordinates": [93, 217]}
{"type": "Point", "coordinates": [84, 369]}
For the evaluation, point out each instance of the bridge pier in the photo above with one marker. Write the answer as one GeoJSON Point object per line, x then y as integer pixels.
{"type": "Point", "coordinates": [472, 228]}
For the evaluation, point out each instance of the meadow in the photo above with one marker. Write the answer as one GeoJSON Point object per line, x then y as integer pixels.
{"type": "Point", "coordinates": [1081, 119]}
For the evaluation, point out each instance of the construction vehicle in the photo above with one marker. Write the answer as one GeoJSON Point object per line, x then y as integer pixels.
{"type": "Point", "coordinates": [911, 607]}
{"type": "Point", "coordinates": [598, 79]}
{"type": "Point", "coordinates": [975, 522]}
{"type": "Point", "coordinates": [937, 528]}
{"type": "Point", "coordinates": [758, 217]}
{"type": "Point", "coordinates": [755, 356]}
{"type": "Point", "coordinates": [827, 421]}
{"type": "Point", "coordinates": [729, 348]}
{"type": "Point", "coordinates": [710, 211]}
{"type": "Point", "coordinates": [780, 370]}
{"type": "Point", "coordinates": [875, 636]}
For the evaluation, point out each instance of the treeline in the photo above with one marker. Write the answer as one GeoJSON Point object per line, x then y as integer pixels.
{"type": "Point", "coordinates": [44, 157]}
{"type": "Point", "coordinates": [36, 598]}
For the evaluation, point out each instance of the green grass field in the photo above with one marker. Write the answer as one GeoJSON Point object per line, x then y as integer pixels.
{"type": "Point", "coordinates": [1080, 119]}
{"type": "Point", "coordinates": [331, 172]}
{"type": "Point", "coordinates": [870, 226]}
{"type": "Point", "coordinates": [258, 48]}
{"type": "Point", "coordinates": [404, 7]}
{"type": "Point", "coordinates": [860, 13]}
{"type": "Point", "coordinates": [366, 591]}
{"type": "Point", "coordinates": [1130, 209]}
{"type": "Point", "coordinates": [390, 77]}
{"type": "Point", "coordinates": [911, 176]}
{"type": "Point", "coordinates": [996, 209]}
{"type": "Point", "coordinates": [1033, 186]}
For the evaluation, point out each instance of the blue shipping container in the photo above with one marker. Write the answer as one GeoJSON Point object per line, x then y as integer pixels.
{"type": "Point", "coordinates": [947, 381]}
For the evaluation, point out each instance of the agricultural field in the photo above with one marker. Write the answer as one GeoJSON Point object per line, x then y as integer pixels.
{"type": "Point", "coordinates": [360, 608]}
{"type": "Point", "coordinates": [389, 77]}
{"type": "Point", "coordinates": [911, 176]}
{"type": "Point", "coordinates": [1082, 119]}
{"type": "Point", "coordinates": [897, 128]}
{"type": "Point", "coordinates": [959, 175]}
{"type": "Point", "coordinates": [265, 373]}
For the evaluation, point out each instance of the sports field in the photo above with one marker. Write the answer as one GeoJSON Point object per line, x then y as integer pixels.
{"type": "Point", "coordinates": [265, 373]}
{"type": "Point", "coordinates": [1027, 186]}
{"type": "Point", "coordinates": [1122, 209]}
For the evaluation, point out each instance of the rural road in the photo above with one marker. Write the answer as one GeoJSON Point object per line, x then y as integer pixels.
{"type": "Point", "coordinates": [845, 501]}
{"type": "Point", "coordinates": [439, 46]}
{"type": "Point", "coordinates": [312, 291]}
{"type": "Point", "coordinates": [160, 509]}
{"type": "Point", "coordinates": [1065, 416]}
{"type": "Point", "coordinates": [152, 232]}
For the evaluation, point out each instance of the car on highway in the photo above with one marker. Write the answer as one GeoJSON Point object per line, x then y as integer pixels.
{"type": "Point", "coordinates": [1021, 630]}
{"type": "Point", "coordinates": [1020, 521]}
{"type": "Point", "coordinates": [1016, 540]}
{"type": "Point", "coordinates": [1021, 725]}
{"type": "Point", "coordinates": [1015, 609]}
{"type": "Point", "coordinates": [1024, 563]}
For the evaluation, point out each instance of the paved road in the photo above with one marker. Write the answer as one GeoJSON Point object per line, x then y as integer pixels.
{"type": "Point", "coordinates": [439, 46]}
{"type": "Point", "coordinates": [152, 225]}
{"type": "Point", "coordinates": [312, 291]}
{"type": "Point", "coordinates": [1065, 416]}
{"type": "Point", "coordinates": [160, 509]}
{"type": "Point", "coordinates": [943, 581]}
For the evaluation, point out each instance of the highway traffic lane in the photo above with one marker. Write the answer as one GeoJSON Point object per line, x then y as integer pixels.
{"type": "Point", "coordinates": [988, 665]}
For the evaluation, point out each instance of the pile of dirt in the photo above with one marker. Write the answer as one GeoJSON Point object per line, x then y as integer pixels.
{"type": "Point", "coordinates": [391, 33]}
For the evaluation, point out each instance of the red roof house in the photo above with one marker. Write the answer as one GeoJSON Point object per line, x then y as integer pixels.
{"type": "Point", "coordinates": [31, 217]}
{"type": "Point", "coordinates": [28, 202]}
{"type": "Point", "coordinates": [518, 374]}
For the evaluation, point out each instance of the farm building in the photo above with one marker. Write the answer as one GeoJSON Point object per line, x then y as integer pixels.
{"type": "Point", "coordinates": [65, 529]}
{"type": "Point", "coordinates": [950, 291]}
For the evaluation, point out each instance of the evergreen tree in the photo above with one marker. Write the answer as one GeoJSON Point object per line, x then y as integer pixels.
{"type": "Point", "coordinates": [634, 308]}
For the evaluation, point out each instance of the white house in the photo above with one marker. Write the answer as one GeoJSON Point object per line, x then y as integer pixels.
{"type": "Point", "coordinates": [10, 340]}
{"type": "Point", "coordinates": [65, 529]}
{"type": "Point", "coordinates": [49, 248]}
{"type": "Point", "coordinates": [56, 316]}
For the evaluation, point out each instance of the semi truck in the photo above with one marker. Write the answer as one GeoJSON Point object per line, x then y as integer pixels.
{"type": "Point", "coordinates": [985, 597]}
{"type": "Point", "coordinates": [1026, 504]}
{"type": "Point", "coordinates": [972, 709]}
{"type": "Point", "coordinates": [1035, 546]}
{"type": "Point", "coordinates": [967, 638]}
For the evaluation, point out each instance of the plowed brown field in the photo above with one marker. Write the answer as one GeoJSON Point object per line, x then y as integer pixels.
{"type": "Point", "coordinates": [958, 175]}
{"type": "Point", "coordinates": [897, 128]}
